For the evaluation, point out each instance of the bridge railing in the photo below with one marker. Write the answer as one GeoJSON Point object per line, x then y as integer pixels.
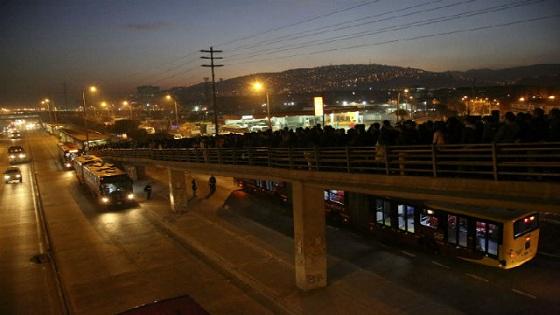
{"type": "Point", "coordinates": [526, 161]}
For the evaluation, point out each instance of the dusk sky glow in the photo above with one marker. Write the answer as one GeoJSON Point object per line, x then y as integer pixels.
{"type": "Point", "coordinates": [121, 44]}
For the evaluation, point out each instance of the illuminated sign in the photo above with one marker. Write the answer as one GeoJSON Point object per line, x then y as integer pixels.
{"type": "Point", "coordinates": [318, 100]}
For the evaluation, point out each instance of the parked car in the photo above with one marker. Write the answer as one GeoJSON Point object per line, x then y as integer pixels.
{"type": "Point", "coordinates": [12, 173]}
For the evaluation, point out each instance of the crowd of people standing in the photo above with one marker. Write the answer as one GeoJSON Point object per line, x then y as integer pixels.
{"type": "Point", "coordinates": [520, 127]}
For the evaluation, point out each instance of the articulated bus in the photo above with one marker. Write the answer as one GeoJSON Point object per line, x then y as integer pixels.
{"type": "Point", "coordinates": [497, 237]}
{"type": "Point", "coordinates": [106, 182]}
{"type": "Point", "coordinates": [67, 152]}
{"type": "Point", "coordinates": [504, 238]}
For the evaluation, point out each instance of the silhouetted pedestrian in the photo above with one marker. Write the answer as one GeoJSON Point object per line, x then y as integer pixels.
{"type": "Point", "coordinates": [148, 191]}
{"type": "Point", "coordinates": [212, 184]}
{"type": "Point", "coordinates": [194, 187]}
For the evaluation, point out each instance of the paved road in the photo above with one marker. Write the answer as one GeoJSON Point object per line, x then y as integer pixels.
{"type": "Point", "coordinates": [112, 260]}
{"type": "Point", "coordinates": [25, 286]}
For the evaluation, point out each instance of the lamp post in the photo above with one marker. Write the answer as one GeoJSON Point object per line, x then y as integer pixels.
{"type": "Point", "coordinates": [170, 98]}
{"type": "Point", "coordinates": [91, 89]}
{"type": "Point", "coordinates": [258, 86]}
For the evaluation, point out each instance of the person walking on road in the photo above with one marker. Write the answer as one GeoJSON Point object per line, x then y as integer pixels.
{"type": "Point", "coordinates": [194, 187]}
{"type": "Point", "coordinates": [148, 191]}
{"type": "Point", "coordinates": [212, 184]}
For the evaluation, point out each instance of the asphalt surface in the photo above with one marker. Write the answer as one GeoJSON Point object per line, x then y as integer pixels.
{"type": "Point", "coordinates": [26, 280]}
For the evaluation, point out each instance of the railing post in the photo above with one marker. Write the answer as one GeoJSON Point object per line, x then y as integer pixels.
{"type": "Point", "coordinates": [268, 156]}
{"type": "Point", "coordinates": [434, 161]}
{"type": "Point", "coordinates": [219, 155]}
{"type": "Point", "coordinates": [386, 157]}
{"type": "Point", "coordinates": [348, 159]}
{"type": "Point", "coordinates": [494, 161]}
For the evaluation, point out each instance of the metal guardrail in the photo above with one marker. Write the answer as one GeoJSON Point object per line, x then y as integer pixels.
{"type": "Point", "coordinates": [525, 161]}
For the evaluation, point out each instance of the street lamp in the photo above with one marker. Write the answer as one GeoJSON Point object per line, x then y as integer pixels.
{"type": "Point", "coordinates": [47, 102]}
{"type": "Point", "coordinates": [170, 98]}
{"type": "Point", "coordinates": [258, 86]}
{"type": "Point", "coordinates": [91, 89]}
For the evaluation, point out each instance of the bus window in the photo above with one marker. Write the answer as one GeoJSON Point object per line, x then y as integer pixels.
{"type": "Point", "coordinates": [429, 219]}
{"type": "Point", "coordinates": [452, 229]}
{"type": "Point", "coordinates": [379, 211]}
{"type": "Point", "coordinates": [494, 234]}
{"type": "Point", "coordinates": [406, 218]}
{"type": "Point", "coordinates": [525, 225]}
{"type": "Point", "coordinates": [481, 234]}
{"type": "Point", "coordinates": [463, 231]}
{"type": "Point", "coordinates": [402, 217]}
{"type": "Point", "coordinates": [410, 219]}
{"type": "Point", "coordinates": [383, 212]}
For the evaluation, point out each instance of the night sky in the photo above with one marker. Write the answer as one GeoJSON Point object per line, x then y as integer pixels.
{"type": "Point", "coordinates": [121, 44]}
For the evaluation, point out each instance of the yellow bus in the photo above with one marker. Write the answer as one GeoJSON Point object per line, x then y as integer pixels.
{"type": "Point", "coordinates": [498, 237]}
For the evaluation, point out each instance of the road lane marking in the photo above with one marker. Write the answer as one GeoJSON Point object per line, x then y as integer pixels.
{"type": "Point", "coordinates": [524, 293]}
{"type": "Point", "coordinates": [476, 277]}
{"type": "Point", "coordinates": [409, 254]}
{"type": "Point", "coordinates": [548, 254]}
{"type": "Point", "coordinates": [440, 264]}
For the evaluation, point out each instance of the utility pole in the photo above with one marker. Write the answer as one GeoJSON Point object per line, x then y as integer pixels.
{"type": "Point", "coordinates": [212, 65]}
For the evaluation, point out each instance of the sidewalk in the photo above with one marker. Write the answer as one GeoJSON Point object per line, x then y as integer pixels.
{"type": "Point", "coordinates": [262, 259]}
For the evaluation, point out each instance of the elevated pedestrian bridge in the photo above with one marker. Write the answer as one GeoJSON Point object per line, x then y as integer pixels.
{"type": "Point", "coordinates": [517, 176]}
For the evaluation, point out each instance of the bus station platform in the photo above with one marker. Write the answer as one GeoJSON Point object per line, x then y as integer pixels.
{"type": "Point", "coordinates": [261, 259]}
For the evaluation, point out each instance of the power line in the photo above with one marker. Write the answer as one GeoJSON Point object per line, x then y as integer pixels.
{"type": "Point", "coordinates": [328, 14]}
{"type": "Point", "coordinates": [393, 41]}
{"type": "Point", "coordinates": [292, 36]}
{"type": "Point", "coordinates": [369, 33]}
{"type": "Point", "coordinates": [315, 18]}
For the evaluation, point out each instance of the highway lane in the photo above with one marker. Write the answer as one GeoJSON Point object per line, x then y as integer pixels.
{"type": "Point", "coordinates": [112, 260]}
{"type": "Point", "coordinates": [26, 287]}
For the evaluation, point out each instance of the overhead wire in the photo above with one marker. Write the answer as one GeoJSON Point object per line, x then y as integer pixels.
{"type": "Point", "coordinates": [369, 33]}
{"type": "Point", "coordinates": [413, 38]}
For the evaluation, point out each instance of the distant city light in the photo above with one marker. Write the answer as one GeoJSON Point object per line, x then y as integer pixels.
{"type": "Point", "coordinates": [522, 99]}
{"type": "Point", "coordinates": [551, 97]}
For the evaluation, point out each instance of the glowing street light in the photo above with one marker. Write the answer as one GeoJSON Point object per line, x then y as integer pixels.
{"type": "Point", "coordinates": [171, 98]}
{"type": "Point", "coordinates": [522, 99]}
{"type": "Point", "coordinates": [552, 97]}
{"type": "Point", "coordinates": [91, 89]}
{"type": "Point", "coordinates": [259, 86]}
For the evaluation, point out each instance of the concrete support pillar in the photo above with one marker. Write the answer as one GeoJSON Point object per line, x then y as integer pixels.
{"type": "Point", "coordinates": [140, 172]}
{"type": "Point", "coordinates": [177, 189]}
{"type": "Point", "coordinates": [309, 236]}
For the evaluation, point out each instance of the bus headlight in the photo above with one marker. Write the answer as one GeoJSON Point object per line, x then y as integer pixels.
{"type": "Point", "coordinates": [6, 176]}
{"type": "Point", "coordinates": [105, 199]}
{"type": "Point", "coordinates": [130, 196]}
{"type": "Point", "coordinates": [67, 164]}
{"type": "Point", "coordinates": [12, 156]}
{"type": "Point", "coordinates": [22, 155]}
{"type": "Point", "coordinates": [18, 176]}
